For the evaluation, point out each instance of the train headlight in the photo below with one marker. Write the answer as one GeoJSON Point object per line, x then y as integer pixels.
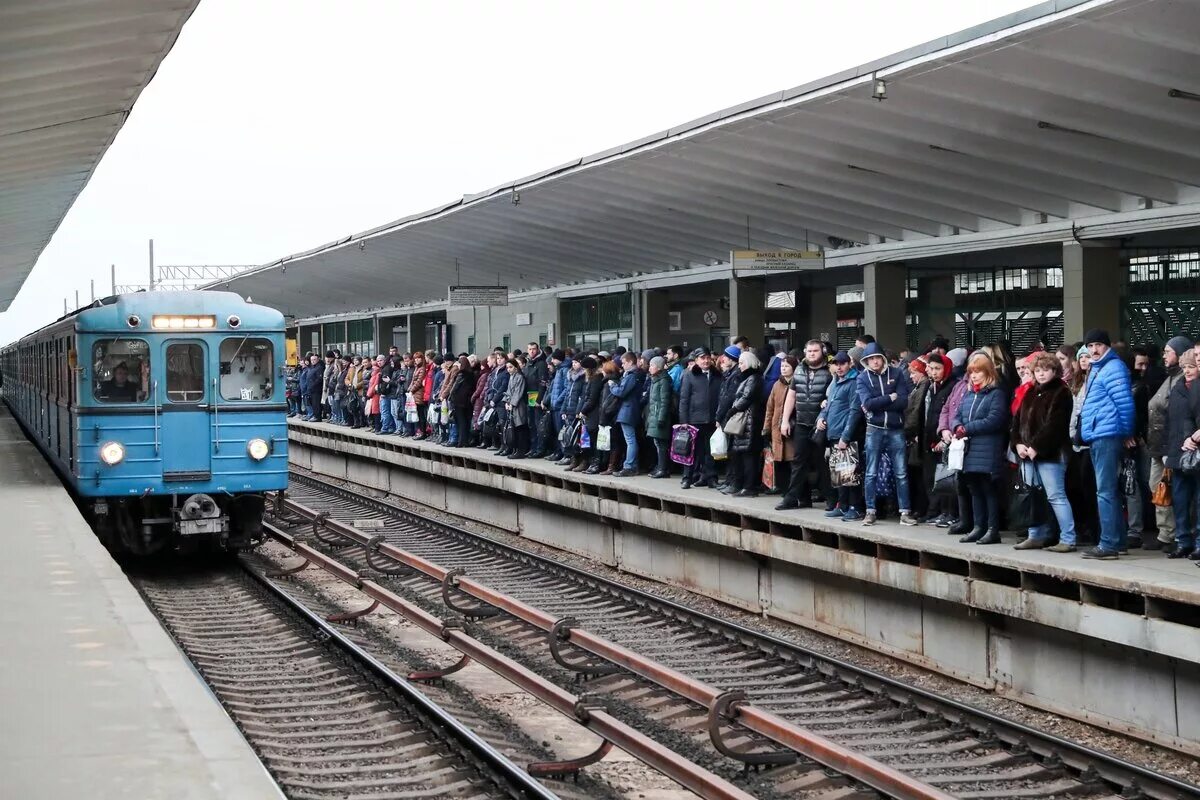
{"type": "Point", "coordinates": [112, 453]}
{"type": "Point", "coordinates": [258, 449]}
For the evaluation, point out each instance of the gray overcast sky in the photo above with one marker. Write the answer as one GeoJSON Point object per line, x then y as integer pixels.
{"type": "Point", "coordinates": [277, 125]}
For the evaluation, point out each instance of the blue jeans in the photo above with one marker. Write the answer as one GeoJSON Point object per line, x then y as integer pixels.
{"type": "Point", "coordinates": [397, 404]}
{"type": "Point", "coordinates": [1184, 491]}
{"type": "Point", "coordinates": [1053, 477]}
{"type": "Point", "coordinates": [631, 453]}
{"type": "Point", "coordinates": [293, 405]}
{"type": "Point", "coordinates": [1106, 461]}
{"type": "Point", "coordinates": [387, 423]}
{"type": "Point", "coordinates": [889, 442]}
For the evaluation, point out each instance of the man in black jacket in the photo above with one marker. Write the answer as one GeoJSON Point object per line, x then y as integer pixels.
{"type": "Point", "coordinates": [699, 391]}
{"type": "Point", "coordinates": [800, 421]}
{"type": "Point", "coordinates": [537, 381]}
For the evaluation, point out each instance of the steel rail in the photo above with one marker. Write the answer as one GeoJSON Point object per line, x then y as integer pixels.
{"type": "Point", "coordinates": [1107, 766]}
{"type": "Point", "coordinates": [596, 719]}
{"type": "Point", "coordinates": [864, 769]}
{"type": "Point", "coordinates": [520, 780]}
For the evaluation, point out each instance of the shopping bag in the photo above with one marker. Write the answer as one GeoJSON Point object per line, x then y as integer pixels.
{"type": "Point", "coordinates": [683, 444]}
{"type": "Point", "coordinates": [444, 413]}
{"type": "Point", "coordinates": [531, 399]}
{"type": "Point", "coordinates": [604, 438]}
{"type": "Point", "coordinates": [1162, 493]}
{"type": "Point", "coordinates": [843, 467]}
{"type": "Point", "coordinates": [585, 438]}
{"type": "Point", "coordinates": [433, 415]}
{"type": "Point", "coordinates": [410, 404]}
{"type": "Point", "coordinates": [1027, 505]}
{"type": "Point", "coordinates": [885, 477]}
{"type": "Point", "coordinates": [957, 455]}
{"type": "Point", "coordinates": [768, 470]}
{"type": "Point", "coordinates": [718, 445]}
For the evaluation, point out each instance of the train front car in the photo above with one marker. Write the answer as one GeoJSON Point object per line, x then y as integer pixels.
{"type": "Point", "coordinates": [180, 420]}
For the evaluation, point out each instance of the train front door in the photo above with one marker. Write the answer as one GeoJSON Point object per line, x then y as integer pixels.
{"type": "Point", "coordinates": [185, 403]}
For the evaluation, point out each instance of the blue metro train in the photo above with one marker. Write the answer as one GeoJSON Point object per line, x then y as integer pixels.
{"type": "Point", "coordinates": [163, 411]}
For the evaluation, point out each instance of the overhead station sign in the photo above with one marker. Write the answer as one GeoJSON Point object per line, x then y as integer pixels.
{"type": "Point", "coordinates": [478, 295]}
{"type": "Point", "coordinates": [776, 260]}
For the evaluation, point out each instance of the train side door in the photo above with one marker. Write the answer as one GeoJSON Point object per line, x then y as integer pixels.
{"type": "Point", "coordinates": [184, 402]}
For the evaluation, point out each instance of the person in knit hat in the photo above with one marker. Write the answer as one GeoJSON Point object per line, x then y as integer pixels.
{"type": "Point", "coordinates": [1107, 423]}
{"type": "Point", "coordinates": [1156, 437]}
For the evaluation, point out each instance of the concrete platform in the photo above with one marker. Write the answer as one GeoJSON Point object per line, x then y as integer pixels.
{"type": "Point", "coordinates": [97, 701]}
{"type": "Point", "coordinates": [1116, 643]}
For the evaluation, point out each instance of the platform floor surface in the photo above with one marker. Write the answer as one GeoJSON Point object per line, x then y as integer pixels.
{"type": "Point", "coordinates": [96, 701]}
{"type": "Point", "coordinates": [1176, 578]}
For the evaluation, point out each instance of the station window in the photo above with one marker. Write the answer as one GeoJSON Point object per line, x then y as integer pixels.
{"type": "Point", "coordinates": [470, 344]}
{"type": "Point", "coordinates": [507, 343]}
{"type": "Point", "coordinates": [360, 337]}
{"type": "Point", "coordinates": [185, 372]}
{"type": "Point", "coordinates": [247, 367]}
{"type": "Point", "coordinates": [120, 370]}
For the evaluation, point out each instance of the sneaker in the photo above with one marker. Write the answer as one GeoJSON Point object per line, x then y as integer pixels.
{"type": "Point", "coordinates": [851, 515]}
{"type": "Point", "coordinates": [835, 513]}
{"type": "Point", "coordinates": [907, 518]}
{"type": "Point", "coordinates": [1061, 548]}
{"type": "Point", "coordinates": [1100, 554]}
{"type": "Point", "coordinates": [945, 521]}
{"type": "Point", "coordinates": [870, 517]}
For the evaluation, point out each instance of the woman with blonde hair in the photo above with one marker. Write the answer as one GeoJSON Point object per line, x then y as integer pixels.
{"type": "Point", "coordinates": [982, 420]}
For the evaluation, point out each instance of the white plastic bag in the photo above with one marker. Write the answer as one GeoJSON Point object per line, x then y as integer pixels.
{"type": "Point", "coordinates": [604, 438]}
{"type": "Point", "coordinates": [958, 454]}
{"type": "Point", "coordinates": [718, 445]}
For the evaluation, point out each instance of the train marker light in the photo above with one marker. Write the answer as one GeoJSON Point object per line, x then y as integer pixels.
{"type": "Point", "coordinates": [258, 449]}
{"type": "Point", "coordinates": [174, 322]}
{"type": "Point", "coordinates": [112, 453]}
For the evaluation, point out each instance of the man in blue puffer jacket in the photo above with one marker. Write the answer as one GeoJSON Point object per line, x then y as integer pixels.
{"type": "Point", "coordinates": [842, 420]}
{"type": "Point", "coordinates": [1107, 423]}
{"type": "Point", "coordinates": [883, 396]}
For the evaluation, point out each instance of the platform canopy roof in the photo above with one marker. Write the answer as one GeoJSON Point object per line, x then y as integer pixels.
{"type": "Point", "coordinates": [1070, 113]}
{"type": "Point", "coordinates": [70, 71]}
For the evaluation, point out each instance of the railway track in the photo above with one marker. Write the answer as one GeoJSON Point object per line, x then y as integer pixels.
{"type": "Point", "coordinates": [327, 718]}
{"type": "Point", "coordinates": [683, 669]}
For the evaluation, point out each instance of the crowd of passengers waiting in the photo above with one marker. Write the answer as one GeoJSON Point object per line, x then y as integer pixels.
{"type": "Point", "coordinates": [1098, 444]}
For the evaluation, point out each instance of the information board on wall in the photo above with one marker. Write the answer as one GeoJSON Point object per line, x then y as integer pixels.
{"type": "Point", "coordinates": [478, 295]}
{"type": "Point", "coordinates": [779, 260]}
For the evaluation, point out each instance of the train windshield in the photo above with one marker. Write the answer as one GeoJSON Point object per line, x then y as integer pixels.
{"type": "Point", "coordinates": [247, 364]}
{"type": "Point", "coordinates": [121, 370]}
{"type": "Point", "coordinates": [185, 372]}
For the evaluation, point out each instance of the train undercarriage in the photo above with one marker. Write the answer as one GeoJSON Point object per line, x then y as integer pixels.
{"type": "Point", "coordinates": [182, 523]}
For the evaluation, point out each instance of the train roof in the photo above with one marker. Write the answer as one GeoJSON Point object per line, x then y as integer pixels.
{"type": "Point", "coordinates": [112, 313]}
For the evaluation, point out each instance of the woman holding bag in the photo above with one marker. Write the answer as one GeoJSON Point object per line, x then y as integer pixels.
{"type": "Point", "coordinates": [982, 420]}
{"type": "Point", "coordinates": [783, 448]}
{"type": "Point", "coordinates": [1041, 435]}
{"type": "Point", "coordinates": [1183, 435]}
{"type": "Point", "coordinates": [743, 426]}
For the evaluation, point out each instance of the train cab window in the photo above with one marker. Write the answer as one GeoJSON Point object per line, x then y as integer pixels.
{"type": "Point", "coordinates": [185, 372]}
{"type": "Point", "coordinates": [247, 368]}
{"type": "Point", "coordinates": [120, 370]}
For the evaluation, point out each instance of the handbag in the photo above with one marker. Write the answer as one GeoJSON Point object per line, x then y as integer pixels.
{"type": "Point", "coordinates": [819, 438]}
{"type": "Point", "coordinates": [604, 438]}
{"type": "Point", "coordinates": [509, 434]}
{"type": "Point", "coordinates": [957, 455]}
{"type": "Point", "coordinates": [1027, 504]}
{"type": "Point", "coordinates": [683, 444]}
{"type": "Point", "coordinates": [1162, 496]}
{"type": "Point", "coordinates": [718, 445]}
{"type": "Point", "coordinates": [1129, 481]}
{"type": "Point", "coordinates": [736, 424]}
{"type": "Point", "coordinates": [1189, 462]}
{"type": "Point", "coordinates": [945, 480]}
{"type": "Point", "coordinates": [545, 431]}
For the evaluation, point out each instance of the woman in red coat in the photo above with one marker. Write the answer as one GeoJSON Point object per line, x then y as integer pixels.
{"type": "Point", "coordinates": [373, 393]}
